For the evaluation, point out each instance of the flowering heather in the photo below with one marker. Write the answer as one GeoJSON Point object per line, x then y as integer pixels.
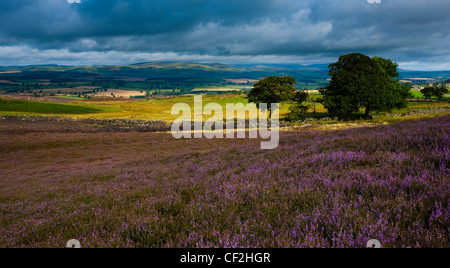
{"type": "Point", "coordinates": [318, 189]}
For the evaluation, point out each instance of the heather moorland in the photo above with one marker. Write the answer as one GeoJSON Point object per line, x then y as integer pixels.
{"type": "Point", "coordinates": [319, 188]}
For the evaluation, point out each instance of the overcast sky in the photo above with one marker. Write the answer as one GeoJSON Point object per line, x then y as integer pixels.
{"type": "Point", "coordinates": [413, 33]}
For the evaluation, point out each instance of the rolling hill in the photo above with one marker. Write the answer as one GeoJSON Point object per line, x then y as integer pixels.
{"type": "Point", "coordinates": [177, 73]}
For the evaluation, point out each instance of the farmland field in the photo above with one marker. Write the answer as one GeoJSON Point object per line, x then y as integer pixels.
{"type": "Point", "coordinates": [416, 94]}
{"type": "Point", "coordinates": [46, 108]}
{"type": "Point", "coordinates": [160, 109]}
{"type": "Point", "coordinates": [154, 109]}
{"type": "Point", "coordinates": [120, 93]}
{"type": "Point", "coordinates": [318, 189]}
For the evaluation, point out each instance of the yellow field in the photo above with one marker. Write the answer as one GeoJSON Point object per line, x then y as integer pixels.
{"type": "Point", "coordinates": [160, 109]}
{"type": "Point", "coordinates": [153, 109]}
{"type": "Point", "coordinates": [119, 93]}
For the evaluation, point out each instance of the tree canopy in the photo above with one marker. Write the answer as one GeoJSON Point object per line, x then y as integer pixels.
{"type": "Point", "coordinates": [437, 92]}
{"type": "Point", "coordinates": [273, 89]}
{"type": "Point", "coordinates": [358, 81]}
{"type": "Point", "coordinates": [298, 109]}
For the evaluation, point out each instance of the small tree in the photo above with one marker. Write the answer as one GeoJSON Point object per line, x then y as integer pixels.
{"type": "Point", "coordinates": [298, 110]}
{"type": "Point", "coordinates": [427, 92]}
{"type": "Point", "coordinates": [439, 92]}
{"type": "Point", "coordinates": [272, 89]}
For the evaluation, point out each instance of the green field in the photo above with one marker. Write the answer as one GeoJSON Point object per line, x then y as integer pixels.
{"type": "Point", "coordinates": [45, 107]}
{"type": "Point", "coordinates": [416, 94]}
{"type": "Point", "coordinates": [419, 95]}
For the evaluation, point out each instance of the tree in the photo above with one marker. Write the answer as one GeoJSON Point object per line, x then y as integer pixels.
{"type": "Point", "coordinates": [300, 97]}
{"type": "Point", "coordinates": [358, 81]}
{"type": "Point", "coordinates": [298, 110]}
{"type": "Point", "coordinates": [427, 92]}
{"type": "Point", "coordinates": [398, 93]}
{"type": "Point", "coordinates": [272, 89]}
{"type": "Point", "coordinates": [407, 86]}
{"type": "Point", "coordinates": [437, 92]}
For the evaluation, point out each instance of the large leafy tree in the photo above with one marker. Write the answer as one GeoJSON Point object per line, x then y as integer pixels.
{"type": "Point", "coordinates": [273, 89]}
{"type": "Point", "coordinates": [397, 93]}
{"type": "Point", "coordinates": [358, 81]}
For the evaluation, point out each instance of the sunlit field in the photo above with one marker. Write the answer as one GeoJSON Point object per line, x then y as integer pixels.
{"type": "Point", "coordinates": [154, 109]}
{"type": "Point", "coordinates": [160, 109]}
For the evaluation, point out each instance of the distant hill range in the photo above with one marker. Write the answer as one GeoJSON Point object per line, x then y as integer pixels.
{"type": "Point", "coordinates": [312, 75]}
{"type": "Point", "coordinates": [138, 68]}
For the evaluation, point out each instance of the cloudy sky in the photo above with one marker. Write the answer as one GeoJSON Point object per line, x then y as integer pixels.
{"type": "Point", "coordinates": [413, 33]}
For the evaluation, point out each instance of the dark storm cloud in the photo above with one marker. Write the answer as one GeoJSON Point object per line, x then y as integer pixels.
{"type": "Point", "coordinates": [56, 19]}
{"type": "Point", "coordinates": [407, 31]}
